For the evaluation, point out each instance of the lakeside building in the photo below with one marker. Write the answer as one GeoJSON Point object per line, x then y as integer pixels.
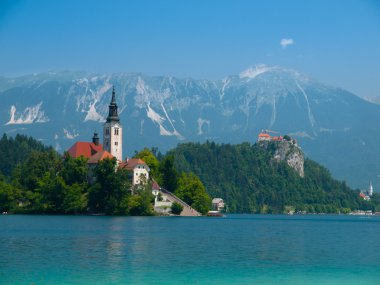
{"type": "Point", "coordinates": [217, 204]}
{"type": "Point", "coordinates": [138, 168]}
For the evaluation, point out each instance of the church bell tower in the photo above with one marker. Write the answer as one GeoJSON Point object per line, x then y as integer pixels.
{"type": "Point", "coordinates": [113, 131]}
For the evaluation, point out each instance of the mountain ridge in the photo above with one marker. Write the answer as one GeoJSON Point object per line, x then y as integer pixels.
{"type": "Point", "coordinates": [161, 111]}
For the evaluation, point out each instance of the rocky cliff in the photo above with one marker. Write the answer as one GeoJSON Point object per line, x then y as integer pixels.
{"type": "Point", "coordinates": [287, 151]}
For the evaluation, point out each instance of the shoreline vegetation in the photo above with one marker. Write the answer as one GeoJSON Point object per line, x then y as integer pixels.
{"type": "Point", "coordinates": [35, 179]}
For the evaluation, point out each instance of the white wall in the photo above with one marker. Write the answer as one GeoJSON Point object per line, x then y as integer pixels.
{"type": "Point", "coordinates": [137, 171]}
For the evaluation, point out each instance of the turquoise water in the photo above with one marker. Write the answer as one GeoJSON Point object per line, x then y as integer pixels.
{"type": "Point", "coordinates": [239, 249]}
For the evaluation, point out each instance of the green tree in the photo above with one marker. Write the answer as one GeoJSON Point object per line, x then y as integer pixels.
{"type": "Point", "coordinates": [52, 191]}
{"type": "Point", "coordinates": [140, 204]}
{"type": "Point", "coordinates": [169, 174]}
{"type": "Point", "coordinates": [176, 208]}
{"type": "Point", "coordinates": [75, 199]}
{"type": "Point", "coordinates": [192, 191]}
{"type": "Point", "coordinates": [13, 151]}
{"type": "Point", "coordinates": [35, 179]}
{"type": "Point", "coordinates": [8, 197]}
{"type": "Point", "coordinates": [34, 167]}
{"type": "Point", "coordinates": [111, 189]}
{"type": "Point", "coordinates": [74, 170]}
{"type": "Point", "coordinates": [287, 138]}
{"type": "Point", "coordinates": [150, 160]}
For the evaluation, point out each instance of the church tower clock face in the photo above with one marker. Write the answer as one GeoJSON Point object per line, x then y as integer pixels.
{"type": "Point", "coordinates": [113, 131]}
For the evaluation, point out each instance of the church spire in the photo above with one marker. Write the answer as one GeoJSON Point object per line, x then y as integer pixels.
{"type": "Point", "coordinates": [112, 113]}
{"type": "Point", "coordinates": [113, 100]}
{"type": "Point", "coordinates": [370, 190]}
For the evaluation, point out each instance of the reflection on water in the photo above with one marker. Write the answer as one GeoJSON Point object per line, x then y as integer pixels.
{"type": "Point", "coordinates": [239, 249]}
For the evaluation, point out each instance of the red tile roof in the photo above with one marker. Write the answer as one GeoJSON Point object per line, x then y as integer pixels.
{"type": "Point", "coordinates": [280, 138]}
{"type": "Point", "coordinates": [131, 163]}
{"type": "Point", "coordinates": [155, 186]}
{"type": "Point", "coordinates": [99, 156]}
{"type": "Point", "coordinates": [85, 149]}
{"type": "Point", "coordinates": [264, 135]}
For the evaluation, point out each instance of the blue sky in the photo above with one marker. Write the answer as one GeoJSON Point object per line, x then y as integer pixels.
{"type": "Point", "coordinates": [334, 41]}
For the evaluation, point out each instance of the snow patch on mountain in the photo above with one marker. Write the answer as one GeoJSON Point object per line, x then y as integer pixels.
{"type": "Point", "coordinates": [254, 71]}
{"type": "Point", "coordinates": [153, 115]}
{"type": "Point", "coordinates": [273, 117]}
{"type": "Point", "coordinates": [70, 134]}
{"type": "Point", "coordinates": [145, 94]}
{"type": "Point", "coordinates": [310, 115]}
{"type": "Point", "coordinates": [201, 122]}
{"type": "Point", "coordinates": [225, 81]}
{"type": "Point", "coordinates": [158, 119]}
{"type": "Point", "coordinates": [142, 127]}
{"type": "Point", "coordinates": [30, 115]}
{"type": "Point", "coordinates": [93, 115]}
{"type": "Point", "coordinates": [164, 132]}
{"type": "Point", "coordinates": [87, 97]}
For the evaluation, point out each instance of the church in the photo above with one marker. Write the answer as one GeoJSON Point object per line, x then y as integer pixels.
{"type": "Point", "coordinates": [112, 147]}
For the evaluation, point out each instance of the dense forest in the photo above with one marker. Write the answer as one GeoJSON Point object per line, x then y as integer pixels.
{"type": "Point", "coordinates": [15, 150]}
{"type": "Point", "coordinates": [250, 181]}
{"type": "Point", "coordinates": [35, 179]}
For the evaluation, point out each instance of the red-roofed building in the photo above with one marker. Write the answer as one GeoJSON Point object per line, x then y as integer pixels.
{"type": "Point", "coordinates": [99, 156]}
{"type": "Point", "coordinates": [264, 137]}
{"type": "Point", "coordinates": [279, 138]}
{"type": "Point", "coordinates": [85, 149]}
{"type": "Point", "coordinates": [138, 168]}
{"type": "Point", "coordinates": [93, 151]}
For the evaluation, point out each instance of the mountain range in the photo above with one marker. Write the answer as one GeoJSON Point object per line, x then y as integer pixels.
{"type": "Point", "coordinates": [333, 126]}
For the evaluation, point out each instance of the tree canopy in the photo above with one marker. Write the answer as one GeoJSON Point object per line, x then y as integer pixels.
{"type": "Point", "coordinates": [250, 181]}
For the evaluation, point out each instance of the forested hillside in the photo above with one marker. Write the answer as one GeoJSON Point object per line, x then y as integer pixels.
{"type": "Point", "coordinates": [15, 150]}
{"type": "Point", "coordinates": [38, 180]}
{"type": "Point", "coordinates": [250, 181]}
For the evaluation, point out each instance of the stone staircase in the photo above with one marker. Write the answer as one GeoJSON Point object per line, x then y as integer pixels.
{"type": "Point", "coordinates": [187, 211]}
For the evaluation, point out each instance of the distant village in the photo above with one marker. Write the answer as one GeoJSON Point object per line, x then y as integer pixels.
{"type": "Point", "coordinates": [112, 147]}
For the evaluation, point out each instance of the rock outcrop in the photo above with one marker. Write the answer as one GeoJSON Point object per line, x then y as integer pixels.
{"type": "Point", "coordinates": [287, 151]}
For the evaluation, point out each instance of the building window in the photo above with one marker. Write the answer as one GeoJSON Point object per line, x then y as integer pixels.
{"type": "Point", "coordinates": [116, 143]}
{"type": "Point", "coordinates": [107, 131]}
{"type": "Point", "coordinates": [116, 131]}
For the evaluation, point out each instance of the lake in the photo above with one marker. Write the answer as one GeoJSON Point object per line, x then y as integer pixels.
{"type": "Point", "coordinates": [238, 249]}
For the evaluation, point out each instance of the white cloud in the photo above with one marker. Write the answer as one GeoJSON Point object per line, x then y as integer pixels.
{"type": "Point", "coordinates": [286, 42]}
